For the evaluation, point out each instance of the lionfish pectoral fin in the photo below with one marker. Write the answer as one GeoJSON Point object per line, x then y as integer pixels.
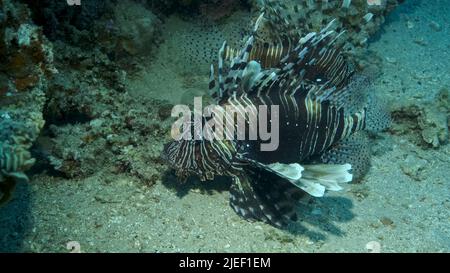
{"type": "Point", "coordinates": [313, 179]}
{"type": "Point", "coordinates": [291, 172]}
{"type": "Point", "coordinates": [265, 196]}
{"type": "Point", "coordinates": [318, 178]}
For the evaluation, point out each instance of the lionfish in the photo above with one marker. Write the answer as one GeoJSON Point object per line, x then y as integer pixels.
{"type": "Point", "coordinates": [324, 112]}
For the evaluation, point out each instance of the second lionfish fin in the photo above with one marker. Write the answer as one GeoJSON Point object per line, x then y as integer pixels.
{"type": "Point", "coordinates": [318, 60]}
{"type": "Point", "coordinates": [316, 63]}
{"type": "Point", "coordinates": [277, 16]}
{"type": "Point", "coordinates": [237, 69]}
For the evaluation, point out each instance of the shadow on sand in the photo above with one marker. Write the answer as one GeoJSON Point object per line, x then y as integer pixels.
{"type": "Point", "coordinates": [15, 220]}
{"type": "Point", "coordinates": [317, 216]}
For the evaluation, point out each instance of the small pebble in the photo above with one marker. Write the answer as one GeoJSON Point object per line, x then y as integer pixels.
{"type": "Point", "coordinates": [409, 24]}
{"type": "Point", "coordinates": [391, 60]}
{"type": "Point", "coordinates": [435, 26]}
{"type": "Point", "coordinates": [413, 166]}
{"type": "Point", "coordinates": [386, 221]}
{"type": "Point", "coordinates": [373, 247]}
{"type": "Point", "coordinates": [421, 42]}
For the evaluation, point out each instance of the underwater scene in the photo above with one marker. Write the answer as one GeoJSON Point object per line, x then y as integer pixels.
{"type": "Point", "coordinates": [224, 126]}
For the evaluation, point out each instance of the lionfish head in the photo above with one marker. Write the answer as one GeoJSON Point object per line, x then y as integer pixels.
{"type": "Point", "coordinates": [200, 158]}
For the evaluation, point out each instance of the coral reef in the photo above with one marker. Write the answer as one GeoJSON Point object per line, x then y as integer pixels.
{"type": "Point", "coordinates": [118, 132]}
{"type": "Point", "coordinates": [429, 120]}
{"type": "Point", "coordinates": [91, 120]}
{"type": "Point", "coordinates": [63, 22]}
{"type": "Point", "coordinates": [26, 56]}
{"type": "Point", "coordinates": [117, 28]}
{"type": "Point", "coordinates": [26, 64]}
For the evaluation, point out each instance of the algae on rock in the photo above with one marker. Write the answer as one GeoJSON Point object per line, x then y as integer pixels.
{"type": "Point", "coordinates": [26, 64]}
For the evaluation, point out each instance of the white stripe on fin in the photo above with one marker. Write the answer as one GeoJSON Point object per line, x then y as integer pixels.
{"type": "Point", "coordinates": [314, 179]}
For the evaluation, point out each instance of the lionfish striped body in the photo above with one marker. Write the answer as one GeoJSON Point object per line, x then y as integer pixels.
{"type": "Point", "coordinates": [320, 117]}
